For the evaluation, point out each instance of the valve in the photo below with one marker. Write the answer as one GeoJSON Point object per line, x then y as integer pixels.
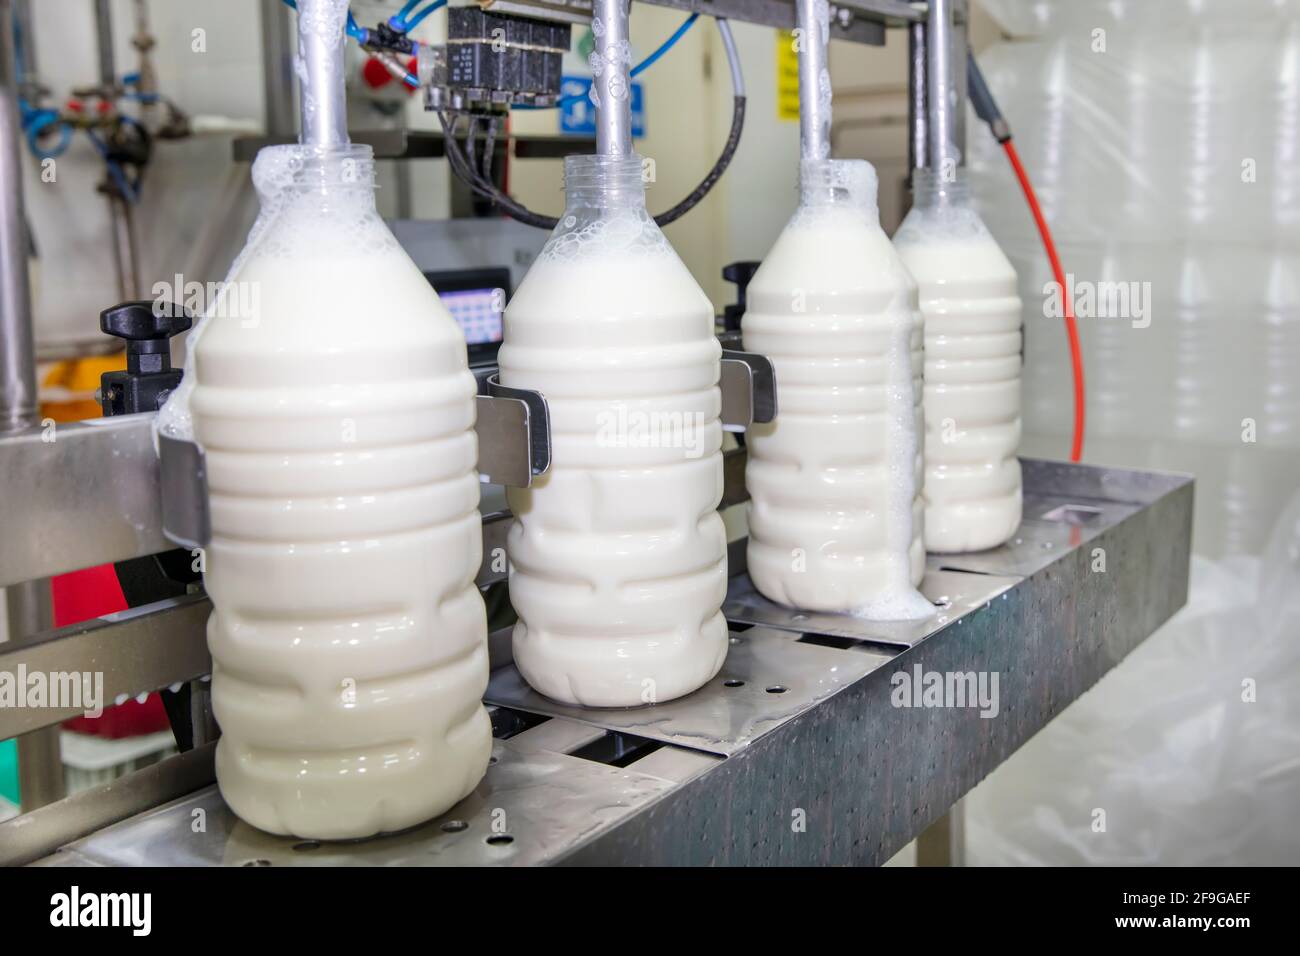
{"type": "Point", "coordinates": [149, 378]}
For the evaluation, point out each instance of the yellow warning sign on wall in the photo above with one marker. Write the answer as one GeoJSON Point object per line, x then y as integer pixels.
{"type": "Point", "coordinates": [787, 77]}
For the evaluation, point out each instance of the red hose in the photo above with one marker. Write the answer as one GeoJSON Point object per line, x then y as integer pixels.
{"type": "Point", "coordinates": [1071, 329]}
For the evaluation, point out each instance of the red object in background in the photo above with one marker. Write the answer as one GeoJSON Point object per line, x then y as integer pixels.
{"type": "Point", "coordinates": [377, 76]}
{"type": "Point", "coordinates": [132, 719]}
{"type": "Point", "coordinates": [80, 596]}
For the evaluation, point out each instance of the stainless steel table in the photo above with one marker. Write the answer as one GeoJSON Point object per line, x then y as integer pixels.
{"type": "Point", "coordinates": [796, 753]}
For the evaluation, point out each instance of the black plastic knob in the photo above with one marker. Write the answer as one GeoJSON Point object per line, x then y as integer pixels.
{"type": "Point", "coordinates": [740, 273]}
{"type": "Point", "coordinates": [147, 328]}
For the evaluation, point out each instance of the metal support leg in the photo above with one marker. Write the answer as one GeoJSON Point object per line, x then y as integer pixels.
{"type": "Point", "coordinates": [201, 719]}
{"type": "Point", "coordinates": [279, 86]}
{"type": "Point", "coordinates": [40, 766]}
{"type": "Point", "coordinates": [17, 346]}
{"type": "Point", "coordinates": [944, 842]}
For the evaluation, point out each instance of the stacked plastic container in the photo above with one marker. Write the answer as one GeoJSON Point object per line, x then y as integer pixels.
{"type": "Point", "coordinates": [1177, 209]}
{"type": "Point", "coordinates": [1163, 138]}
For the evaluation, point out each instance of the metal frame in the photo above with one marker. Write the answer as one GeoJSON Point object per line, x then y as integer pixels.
{"type": "Point", "coordinates": [791, 755]}
{"type": "Point", "coordinates": [857, 21]}
{"type": "Point", "coordinates": [87, 493]}
{"type": "Point", "coordinates": [27, 606]}
{"type": "Point", "coordinates": [424, 144]}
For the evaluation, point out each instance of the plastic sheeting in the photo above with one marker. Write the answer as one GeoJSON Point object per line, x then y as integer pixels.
{"type": "Point", "coordinates": [1163, 150]}
{"type": "Point", "coordinates": [1163, 138]}
{"type": "Point", "coordinates": [1188, 753]}
{"type": "Point", "coordinates": [1021, 18]}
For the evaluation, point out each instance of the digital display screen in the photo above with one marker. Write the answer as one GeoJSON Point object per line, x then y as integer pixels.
{"type": "Point", "coordinates": [476, 299]}
{"type": "Point", "coordinates": [477, 312]}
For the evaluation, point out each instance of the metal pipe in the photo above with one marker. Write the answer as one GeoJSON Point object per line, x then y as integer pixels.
{"type": "Point", "coordinates": [277, 70]}
{"type": "Point", "coordinates": [942, 120]}
{"type": "Point", "coordinates": [960, 50]}
{"type": "Point", "coordinates": [943, 842]}
{"type": "Point", "coordinates": [143, 42]}
{"type": "Point", "coordinates": [40, 762]}
{"type": "Point", "coordinates": [814, 23]}
{"type": "Point", "coordinates": [125, 257]}
{"type": "Point", "coordinates": [40, 769]}
{"type": "Point", "coordinates": [918, 142]}
{"type": "Point", "coordinates": [104, 44]}
{"type": "Point", "coordinates": [320, 46]}
{"type": "Point", "coordinates": [23, 12]}
{"type": "Point", "coordinates": [17, 341]}
{"type": "Point", "coordinates": [611, 77]}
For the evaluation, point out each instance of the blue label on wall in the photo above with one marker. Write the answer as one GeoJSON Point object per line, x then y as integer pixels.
{"type": "Point", "coordinates": [578, 113]}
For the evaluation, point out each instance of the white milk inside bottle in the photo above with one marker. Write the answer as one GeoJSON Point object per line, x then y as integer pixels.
{"type": "Point", "coordinates": [972, 369]}
{"type": "Point", "coordinates": [618, 554]}
{"type": "Point", "coordinates": [331, 394]}
{"type": "Point", "coordinates": [835, 513]}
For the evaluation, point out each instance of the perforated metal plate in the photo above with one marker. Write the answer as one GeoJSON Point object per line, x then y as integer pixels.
{"type": "Point", "coordinates": [769, 677]}
{"type": "Point", "coordinates": [952, 593]}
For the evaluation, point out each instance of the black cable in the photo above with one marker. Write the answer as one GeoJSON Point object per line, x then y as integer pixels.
{"type": "Point", "coordinates": [460, 167]}
{"type": "Point", "coordinates": [459, 164]}
{"type": "Point", "coordinates": [489, 149]}
{"type": "Point", "coordinates": [720, 167]}
{"type": "Point", "coordinates": [483, 168]}
{"type": "Point", "coordinates": [981, 98]}
{"type": "Point", "coordinates": [471, 132]}
{"type": "Point", "coordinates": [470, 177]}
{"type": "Point", "coordinates": [457, 159]}
{"type": "Point", "coordinates": [464, 168]}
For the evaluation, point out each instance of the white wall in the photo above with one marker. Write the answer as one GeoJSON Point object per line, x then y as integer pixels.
{"type": "Point", "coordinates": [76, 278]}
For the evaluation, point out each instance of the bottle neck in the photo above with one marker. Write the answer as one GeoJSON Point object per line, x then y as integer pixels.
{"type": "Point", "coordinates": [845, 183]}
{"type": "Point", "coordinates": [347, 169]}
{"type": "Point", "coordinates": [940, 210]}
{"type": "Point", "coordinates": [931, 191]}
{"type": "Point", "coordinates": [604, 182]}
{"type": "Point", "coordinates": [316, 202]}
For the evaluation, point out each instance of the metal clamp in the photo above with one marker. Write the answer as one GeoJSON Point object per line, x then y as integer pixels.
{"type": "Point", "coordinates": [514, 444]}
{"type": "Point", "coordinates": [184, 484]}
{"type": "Point", "coordinates": [748, 390]}
{"type": "Point", "coordinates": [514, 434]}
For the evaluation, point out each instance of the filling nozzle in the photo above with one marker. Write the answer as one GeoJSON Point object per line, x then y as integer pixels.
{"type": "Point", "coordinates": [941, 94]}
{"type": "Point", "coordinates": [814, 20]}
{"type": "Point", "coordinates": [321, 26]}
{"type": "Point", "coordinates": [611, 81]}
